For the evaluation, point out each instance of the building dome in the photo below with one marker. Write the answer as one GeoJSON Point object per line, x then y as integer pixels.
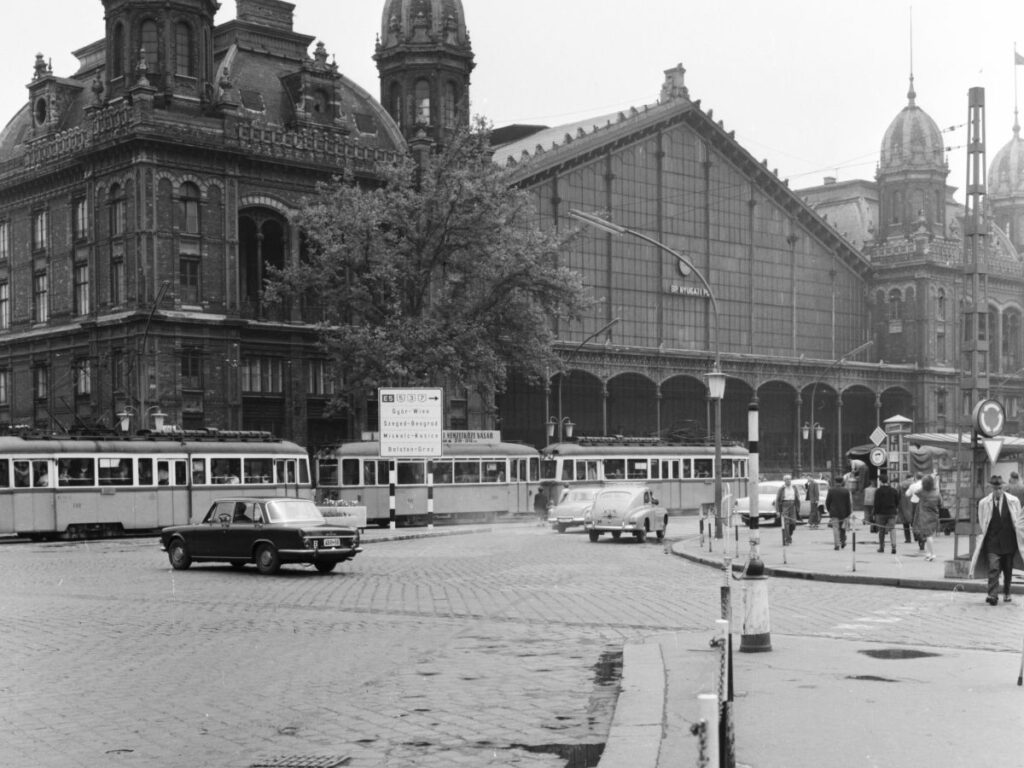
{"type": "Point", "coordinates": [1006, 173]}
{"type": "Point", "coordinates": [913, 141]}
{"type": "Point", "coordinates": [423, 21]}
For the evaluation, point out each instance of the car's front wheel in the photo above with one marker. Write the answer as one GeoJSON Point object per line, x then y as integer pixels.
{"type": "Point", "coordinates": [560, 528]}
{"type": "Point", "coordinates": [641, 535]}
{"type": "Point", "coordinates": [594, 535]}
{"type": "Point", "coordinates": [268, 562]}
{"type": "Point", "coordinates": [179, 555]}
{"type": "Point", "coordinates": [324, 567]}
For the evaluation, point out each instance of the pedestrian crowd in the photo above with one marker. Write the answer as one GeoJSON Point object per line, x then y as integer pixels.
{"type": "Point", "coordinates": [916, 506]}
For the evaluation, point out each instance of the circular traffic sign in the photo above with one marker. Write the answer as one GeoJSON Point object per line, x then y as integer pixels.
{"type": "Point", "coordinates": [989, 418]}
{"type": "Point", "coordinates": [877, 457]}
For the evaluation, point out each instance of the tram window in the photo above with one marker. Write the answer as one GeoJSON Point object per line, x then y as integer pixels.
{"type": "Point", "coordinates": [727, 468]}
{"type": "Point", "coordinates": [116, 472]}
{"type": "Point", "coordinates": [163, 475]}
{"type": "Point", "coordinates": [258, 471]}
{"type": "Point", "coordinates": [637, 469]}
{"type": "Point", "coordinates": [514, 467]}
{"type": "Point", "coordinates": [5, 474]}
{"type": "Point", "coordinates": [180, 472]}
{"type": "Point", "coordinates": [614, 469]}
{"type": "Point", "coordinates": [411, 473]}
{"type": "Point", "coordinates": [442, 472]}
{"type": "Point", "coordinates": [703, 467]}
{"type": "Point", "coordinates": [494, 471]}
{"type": "Point", "coordinates": [285, 470]}
{"type": "Point", "coordinates": [655, 469]}
{"type": "Point", "coordinates": [370, 473]}
{"type": "Point", "coordinates": [22, 474]}
{"type": "Point", "coordinates": [672, 470]}
{"type": "Point", "coordinates": [145, 471]}
{"type": "Point", "coordinates": [226, 471]}
{"type": "Point", "coordinates": [568, 470]}
{"type": "Point", "coordinates": [534, 470]}
{"type": "Point", "coordinates": [467, 471]}
{"type": "Point", "coordinates": [81, 472]}
{"type": "Point", "coordinates": [304, 471]}
{"type": "Point", "coordinates": [548, 469]}
{"type": "Point", "coordinates": [199, 471]}
{"type": "Point", "coordinates": [327, 471]}
{"type": "Point", "coordinates": [586, 470]}
{"type": "Point", "coordinates": [687, 465]}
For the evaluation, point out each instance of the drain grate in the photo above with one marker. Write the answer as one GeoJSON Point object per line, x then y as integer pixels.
{"type": "Point", "coordinates": [301, 761]}
{"type": "Point", "coordinates": [897, 653]}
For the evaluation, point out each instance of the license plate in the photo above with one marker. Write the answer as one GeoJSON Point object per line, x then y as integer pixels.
{"type": "Point", "coordinates": [332, 542]}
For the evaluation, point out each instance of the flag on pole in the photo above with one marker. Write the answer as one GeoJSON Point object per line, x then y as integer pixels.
{"type": "Point", "coordinates": [1018, 58]}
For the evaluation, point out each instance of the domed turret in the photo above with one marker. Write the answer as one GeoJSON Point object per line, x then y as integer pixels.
{"type": "Point", "coordinates": [1006, 188]}
{"type": "Point", "coordinates": [913, 141]}
{"type": "Point", "coordinates": [425, 58]}
{"type": "Point", "coordinates": [911, 175]}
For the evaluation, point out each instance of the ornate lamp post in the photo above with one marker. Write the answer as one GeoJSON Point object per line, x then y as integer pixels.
{"type": "Point", "coordinates": [812, 432]}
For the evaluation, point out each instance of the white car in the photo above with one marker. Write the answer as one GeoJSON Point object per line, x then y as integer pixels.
{"type": "Point", "coordinates": [766, 492]}
{"type": "Point", "coordinates": [629, 509]}
{"type": "Point", "coordinates": [572, 506]}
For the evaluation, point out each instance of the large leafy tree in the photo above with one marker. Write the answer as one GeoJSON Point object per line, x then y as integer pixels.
{"type": "Point", "coordinates": [439, 275]}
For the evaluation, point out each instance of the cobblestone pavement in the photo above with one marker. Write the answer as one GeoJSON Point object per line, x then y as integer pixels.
{"type": "Point", "coordinates": [490, 649]}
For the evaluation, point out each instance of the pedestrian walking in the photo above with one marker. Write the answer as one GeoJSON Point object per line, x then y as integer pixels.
{"type": "Point", "coordinates": [887, 500]}
{"type": "Point", "coordinates": [813, 503]}
{"type": "Point", "coordinates": [787, 504]}
{"type": "Point", "coordinates": [839, 505]}
{"type": "Point", "coordinates": [926, 518]}
{"type": "Point", "coordinates": [869, 505]}
{"type": "Point", "coordinates": [905, 514]}
{"type": "Point", "coordinates": [915, 500]}
{"type": "Point", "coordinates": [1002, 539]}
{"type": "Point", "coordinates": [540, 506]}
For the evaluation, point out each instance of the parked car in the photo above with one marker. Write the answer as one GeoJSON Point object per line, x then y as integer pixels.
{"type": "Point", "coordinates": [766, 492]}
{"type": "Point", "coordinates": [572, 506]}
{"type": "Point", "coordinates": [630, 509]}
{"type": "Point", "coordinates": [268, 531]}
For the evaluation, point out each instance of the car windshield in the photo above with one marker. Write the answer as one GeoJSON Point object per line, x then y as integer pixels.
{"type": "Point", "coordinates": [293, 511]}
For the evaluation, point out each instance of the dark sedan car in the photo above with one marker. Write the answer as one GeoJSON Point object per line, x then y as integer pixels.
{"type": "Point", "coordinates": [268, 531]}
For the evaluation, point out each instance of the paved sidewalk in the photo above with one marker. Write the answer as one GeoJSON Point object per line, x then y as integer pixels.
{"type": "Point", "coordinates": [816, 701]}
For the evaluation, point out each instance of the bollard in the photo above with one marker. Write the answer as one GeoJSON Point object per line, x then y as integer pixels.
{"type": "Point", "coordinates": [853, 550]}
{"type": "Point", "coordinates": [708, 707]}
{"type": "Point", "coordinates": [756, 619]}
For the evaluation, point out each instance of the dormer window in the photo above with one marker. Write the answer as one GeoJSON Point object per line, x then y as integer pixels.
{"type": "Point", "coordinates": [422, 96]}
{"type": "Point", "coordinates": [41, 111]}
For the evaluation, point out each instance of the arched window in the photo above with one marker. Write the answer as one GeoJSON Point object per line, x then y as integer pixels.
{"type": "Point", "coordinates": [188, 208]}
{"type": "Point", "coordinates": [117, 49]}
{"type": "Point", "coordinates": [183, 61]}
{"type": "Point", "coordinates": [422, 96]}
{"type": "Point", "coordinates": [451, 104]}
{"type": "Point", "coordinates": [395, 103]}
{"type": "Point", "coordinates": [1011, 341]}
{"type": "Point", "coordinates": [116, 209]}
{"type": "Point", "coordinates": [895, 305]}
{"type": "Point", "coordinates": [262, 245]}
{"type": "Point", "coordinates": [150, 39]}
{"type": "Point", "coordinates": [940, 304]}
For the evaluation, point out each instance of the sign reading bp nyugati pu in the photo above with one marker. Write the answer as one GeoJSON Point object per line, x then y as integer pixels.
{"type": "Point", "coordinates": [411, 422]}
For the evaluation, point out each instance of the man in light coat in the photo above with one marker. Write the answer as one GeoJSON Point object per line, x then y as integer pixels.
{"type": "Point", "coordinates": [1002, 539]}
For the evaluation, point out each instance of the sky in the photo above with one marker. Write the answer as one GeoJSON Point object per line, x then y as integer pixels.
{"type": "Point", "coordinates": [808, 85]}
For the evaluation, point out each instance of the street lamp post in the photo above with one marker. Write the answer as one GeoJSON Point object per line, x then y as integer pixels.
{"type": "Point", "coordinates": [812, 432]}
{"type": "Point", "coordinates": [715, 378]}
{"type": "Point", "coordinates": [564, 427]}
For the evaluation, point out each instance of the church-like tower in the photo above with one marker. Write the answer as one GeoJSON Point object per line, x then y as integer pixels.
{"type": "Point", "coordinates": [165, 43]}
{"type": "Point", "coordinates": [425, 59]}
{"type": "Point", "coordinates": [1006, 188]}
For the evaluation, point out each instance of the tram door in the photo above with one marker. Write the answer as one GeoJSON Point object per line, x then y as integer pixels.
{"type": "Point", "coordinates": [520, 490]}
{"type": "Point", "coordinates": [34, 506]}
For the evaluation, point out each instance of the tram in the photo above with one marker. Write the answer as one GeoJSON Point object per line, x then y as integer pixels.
{"type": "Point", "coordinates": [84, 487]}
{"type": "Point", "coordinates": [681, 475]}
{"type": "Point", "coordinates": [470, 482]}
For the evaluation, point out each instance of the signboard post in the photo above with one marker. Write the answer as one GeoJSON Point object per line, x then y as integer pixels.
{"type": "Point", "coordinates": [411, 426]}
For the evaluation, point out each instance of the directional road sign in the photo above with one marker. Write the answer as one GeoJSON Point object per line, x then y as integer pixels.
{"type": "Point", "coordinates": [411, 422]}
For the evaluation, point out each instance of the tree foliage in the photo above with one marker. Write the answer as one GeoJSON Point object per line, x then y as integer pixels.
{"type": "Point", "coordinates": [439, 275]}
